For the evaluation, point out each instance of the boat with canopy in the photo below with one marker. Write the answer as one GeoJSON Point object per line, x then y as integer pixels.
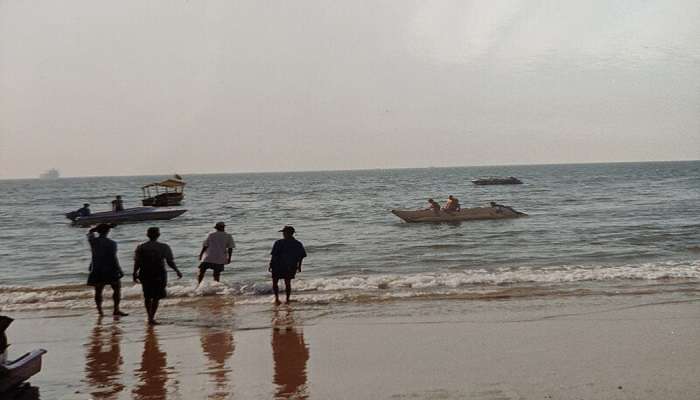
{"type": "Point", "coordinates": [167, 193]}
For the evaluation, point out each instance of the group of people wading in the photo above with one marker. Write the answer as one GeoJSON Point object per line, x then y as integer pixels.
{"type": "Point", "coordinates": [151, 257]}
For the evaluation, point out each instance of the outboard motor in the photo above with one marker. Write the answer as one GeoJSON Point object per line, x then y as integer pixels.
{"type": "Point", "coordinates": [73, 215]}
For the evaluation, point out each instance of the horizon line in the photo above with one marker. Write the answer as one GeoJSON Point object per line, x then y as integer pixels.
{"type": "Point", "coordinates": [351, 169]}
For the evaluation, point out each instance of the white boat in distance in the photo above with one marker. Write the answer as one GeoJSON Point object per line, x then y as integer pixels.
{"type": "Point", "coordinates": [135, 214]}
{"type": "Point", "coordinates": [50, 174]}
{"type": "Point", "coordinates": [465, 214]}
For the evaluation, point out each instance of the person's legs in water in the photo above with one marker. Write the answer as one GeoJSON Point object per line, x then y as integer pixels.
{"type": "Point", "coordinates": [154, 308]}
{"type": "Point", "coordinates": [287, 288]}
{"type": "Point", "coordinates": [147, 303]}
{"type": "Point", "coordinates": [99, 287]}
{"type": "Point", "coordinates": [151, 308]}
{"type": "Point", "coordinates": [217, 275]}
{"type": "Point", "coordinates": [276, 290]}
{"type": "Point", "coordinates": [117, 296]}
{"type": "Point", "coordinates": [201, 275]}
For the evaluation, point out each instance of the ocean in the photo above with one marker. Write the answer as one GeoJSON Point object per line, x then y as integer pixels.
{"type": "Point", "coordinates": [592, 229]}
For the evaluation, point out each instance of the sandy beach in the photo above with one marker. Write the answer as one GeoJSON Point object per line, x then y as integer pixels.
{"type": "Point", "coordinates": [613, 347]}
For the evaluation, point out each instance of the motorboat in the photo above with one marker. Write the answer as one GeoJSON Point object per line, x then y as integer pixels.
{"type": "Point", "coordinates": [167, 193]}
{"type": "Point", "coordinates": [511, 180]}
{"type": "Point", "coordinates": [13, 373]}
{"type": "Point", "coordinates": [50, 174]}
{"type": "Point", "coordinates": [465, 214]}
{"type": "Point", "coordinates": [135, 214]}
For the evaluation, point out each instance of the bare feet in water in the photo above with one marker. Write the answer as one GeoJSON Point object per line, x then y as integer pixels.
{"type": "Point", "coordinates": [153, 322]}
{"type": "Point", "coordinates": [119, 313]}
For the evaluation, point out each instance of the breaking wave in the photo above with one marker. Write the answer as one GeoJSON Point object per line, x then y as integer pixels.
{"type": "Point", "coordinates": [468, 284]}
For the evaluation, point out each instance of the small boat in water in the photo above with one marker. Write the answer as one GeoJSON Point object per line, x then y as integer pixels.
{"type": "Point", "coordinates": [167, 193]}
{"type": "Point", "coordinates": [135, 214]}
{"type": "Point", "coordinates": [13, 373]}
{"type": "Point", "coordinates": [465, 214]}
{"type": "Point", "coordinates": [50, 174]}
{"type": "Point", "coordinates": [511, 180]}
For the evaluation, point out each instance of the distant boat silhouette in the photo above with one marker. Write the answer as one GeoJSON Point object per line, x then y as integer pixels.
{"type": "Point", "coordinates": [50, 174]}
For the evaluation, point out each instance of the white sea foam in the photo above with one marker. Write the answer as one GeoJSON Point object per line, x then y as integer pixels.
{"type": "Point", "coordinates": [478, 282]}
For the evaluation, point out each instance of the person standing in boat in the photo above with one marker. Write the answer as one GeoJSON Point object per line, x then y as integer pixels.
{"type": "Point", "coordinates": [118, 204]}
{"type": "Point", "coordinates": [149, 270]}
{"type": "Point", "coordinates": [287, 255]}
{"type": "Point", "coordinates": [104, 267]}
{"type": "Point", "coordinates": [452, 204]}
{"type": "Point", "coordinates": [216, 252]}
{"type": "Point", "coordinates": [433, 205]}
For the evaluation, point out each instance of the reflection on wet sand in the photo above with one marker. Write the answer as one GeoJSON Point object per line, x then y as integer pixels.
{"type": "Point", "coordinates": [103, 361]}
{"type": "Point", "coordinates": [218, 346]}
{"type": "Point", "coordinates": [290, 354]}
{"type": "Point", "coordinates": [152, 375]}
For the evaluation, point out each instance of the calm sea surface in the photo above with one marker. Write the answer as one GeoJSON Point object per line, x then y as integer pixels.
{"type": "Point", "coordinates": [596, 228]}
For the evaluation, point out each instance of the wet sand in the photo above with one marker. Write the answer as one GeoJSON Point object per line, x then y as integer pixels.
{"type": "Point", "coordinates": [626, 347]}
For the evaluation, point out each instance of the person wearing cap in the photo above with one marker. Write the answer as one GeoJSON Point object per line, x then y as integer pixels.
{"type": "Point", "coordinates": [104, 267]}
{"type": "Point", "coordinates": [216, 252]}
{"type": "Point", "coordinates": [149, 270]}
{"type": "Point", "coordinates": [84, 211]}
{"type": "Point", "coordinates": [287, 255]}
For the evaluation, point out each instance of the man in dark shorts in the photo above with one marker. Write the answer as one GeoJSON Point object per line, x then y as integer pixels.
{"type": "Point", "coordinates": [287, 255]}
{"type": "Point", "coordinates": [149, 270]}
{"type": "Point", "coordinates": [104, 267]}
{"type": "Point", "coordinates": [216, 252]}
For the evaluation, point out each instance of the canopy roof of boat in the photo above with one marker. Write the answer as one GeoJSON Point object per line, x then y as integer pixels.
{"type": "Point", "coordinates": [168, 183]}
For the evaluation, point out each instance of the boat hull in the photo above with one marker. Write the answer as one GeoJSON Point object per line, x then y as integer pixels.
{"type": "Point", "coordinates": [497, 181]}
{"type": "Point", "coordinates": [136, 214]}
{"type": "Point", "coordinates": [14, 373]}
{"type": "Point", "coordinates": [465, 214]}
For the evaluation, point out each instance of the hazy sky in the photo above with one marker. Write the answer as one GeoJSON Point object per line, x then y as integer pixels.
{"type": "Point", "coordinates": [139, 87]}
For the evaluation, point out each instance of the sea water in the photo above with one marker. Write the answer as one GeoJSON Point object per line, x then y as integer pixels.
{"type": "Point", "coordinates": [591, 229]}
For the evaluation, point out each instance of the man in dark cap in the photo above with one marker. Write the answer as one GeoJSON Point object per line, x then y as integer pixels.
{"type": "Point", "coordinates": [104, 267]}
{"type": "Point", "coordinates": [149, 270]}
{"type": "Point", "coordinates": [84, 211]}
{"type": "Point", "coordinates": [287, 255]}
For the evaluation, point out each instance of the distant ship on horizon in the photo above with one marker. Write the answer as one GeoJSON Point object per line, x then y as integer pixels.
{"type": "Point", "coordinates": [50, 174]}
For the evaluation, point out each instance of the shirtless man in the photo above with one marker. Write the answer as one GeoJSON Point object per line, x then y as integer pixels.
{"type": "Point", "coordinates": [452, 204]}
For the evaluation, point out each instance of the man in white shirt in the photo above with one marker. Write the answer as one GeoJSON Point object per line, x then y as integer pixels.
{"type": "Point", "coordinates": [216, 252]}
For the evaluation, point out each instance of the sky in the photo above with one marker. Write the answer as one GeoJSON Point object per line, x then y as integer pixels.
{"type": "Point", "coordinates": [136, 87]}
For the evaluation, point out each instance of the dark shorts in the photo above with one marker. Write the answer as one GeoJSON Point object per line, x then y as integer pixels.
{"type": "Point", "coordinates": [283, 273]}
{"type": "Point", "coordinates": [214, 267]}
{"type": "Point", "coordinates": [153, 289]}
{"type": "Point", "coordinates": [104, 276]}
{"type": "Point", "coordinates": [116, 283]}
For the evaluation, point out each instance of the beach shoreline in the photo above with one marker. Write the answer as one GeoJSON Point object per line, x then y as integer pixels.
{"type": "Point", "coordinates": [619, 347]}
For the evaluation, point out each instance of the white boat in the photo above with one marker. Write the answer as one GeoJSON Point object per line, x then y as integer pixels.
{"type": "Point", "coordinates": [50, 174]}
{"type": "Point", "coordinates": [135, 214]}
{"type": "Point", "coordinates": [465, 214]}
{"type": "Point", "coordinates": [13, 373]}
